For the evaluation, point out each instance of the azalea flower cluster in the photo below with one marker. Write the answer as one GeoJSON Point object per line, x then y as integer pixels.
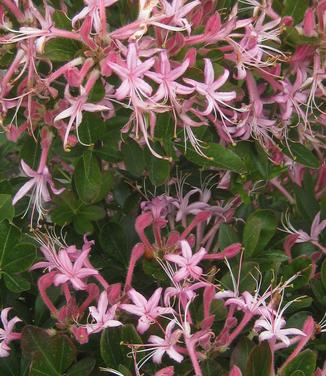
{"type": "Point", "coordinates": [246, 86]}
{"type": "Point", "coordinates": [177, 147]}
{"type": "Point", "coordinates": [187, 261]}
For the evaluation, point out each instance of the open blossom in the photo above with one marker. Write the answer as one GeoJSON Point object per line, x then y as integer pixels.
{"type": "Point", "coordinates": [93, 10]}
{"type": "Point", "coordinates": [166, 344]}
{"type": "Point", "coordinates": [147, 310]}
{"type": "Point", "coordinates": [68, 266]}
{"type": "Point", "coordinates": [6, 333]}
{"type": "Point", "coordinates": [78, 105]}
{"type": "Point", "coordinates": [300, 236]}
{"type": "Point", "coordinates": [187, 262]}
{"type": "Point", "coordinates": [102, 315]}
{"type": "Point", "coordinates": [215, 99]}
{"type": "Point", "coordinates": [39, 182]}
{"type": "Point", "coordinates": [131, 73]}
{"type": "Point", "coordinates": [271, 326]}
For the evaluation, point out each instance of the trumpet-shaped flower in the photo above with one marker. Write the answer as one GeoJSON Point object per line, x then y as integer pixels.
{"type": "Point", "coordinates": [6, 333]}
{"type": "Point", "coordinates": [166, 344]}
{"type": "Point", "coordinates": [187, 262]}
{"type": "Point", "coordinates": [215, 99]}
{"type": "Point", "coordinates": [103, 316]}
{"type": "Point", "coordinates": [147, 310]}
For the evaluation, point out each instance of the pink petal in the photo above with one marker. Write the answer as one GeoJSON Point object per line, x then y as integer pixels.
{"type": "Point", "coordinates": [23, 190]}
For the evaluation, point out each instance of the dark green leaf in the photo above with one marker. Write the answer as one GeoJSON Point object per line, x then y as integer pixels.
{"type": "Point", "coordinates": [16, 283]}
{"type": "Point", "coordinates": [7, 211]}
{"type": "Point", "coordinates": [84, 367]}
{"type": "Point", "coordinates": [50, 355]}
{"type": "Point", "coordinates": [301, 155]}
{"type": "Point", "coordinates": [305, 362]}
{"type": "Point", "coordinates": [87, 178]}
{"type": "Point", "coordinates": [133, 157]}
{"type": "Point", "coordinates": [61, 49]}
{"type": "Point", "coordinates": [260, 361]}
{"type": "Point", "coordinates": [295, 9]}
{"type": "Point", "coordinates": [19, 259]}
{"type": "Point", "coordinates": [258, 231]}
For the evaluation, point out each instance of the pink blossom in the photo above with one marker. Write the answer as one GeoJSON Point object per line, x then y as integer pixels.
{"type": "Point", "coordinates": [40, 179]}
{"type": "Point", "coordinates": [272, 325]}
{"type": "Point", "coordinates": [208, 89]}
{"type": "Point", "coordinates": [147, 310]}
{"type": "Point", "coordinates": [67, 267]}
{"type": "Point", "coordinates": [6, 333]}
{"type": "Point", "coordinates": [166, 344]}
{"type": "Point", "coordinates": [78, 105]}
{"type": "Point", "coordinates": [131, 74]}
{"type": "Point", "coordinates": [187, 262]}
{"type": "Point", "coordinates": [102, 315]}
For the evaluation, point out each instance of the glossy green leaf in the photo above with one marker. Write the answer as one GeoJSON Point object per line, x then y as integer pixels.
{"type": "Point", "coordinates": [20, 258]}
{"type": "Point", "coordinates": [217, 156]}
{"type": "Point", "coordinates": [133, 157]}
{"type": "Point", "coordinates": [7, 211]}
{"type": "Point", "coordinates": [295, 9]}
{"type": "Point", "coordinates": [301, 155]}
{"type": "Point", "coordinates": [16, 283]}
{"type": "Point", "coordinates": [304, 362]}
{"type": "Point", "coordinates": [82, 368]}
{"type": "Point", "coordinates": [258, 231]}
{"type": "Point", "coordinates": [61, 49]}
{"type": "Point", "coordinates": [87, 178]}
{"type": "Point", "coordinates": [50, 356]}
{"type": "Point", "coordinates": [114, 345]}
{"type": "Point", "coordinates": [260, 361]}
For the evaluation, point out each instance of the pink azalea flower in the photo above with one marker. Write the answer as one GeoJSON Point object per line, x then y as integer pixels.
{"type": "Point", "coordinates": [166, 78]}
{"type": "Point", "coordinates": [78, 105]}
{"type": "Point", "coordinates": [133, 85]}
{"type": "Point", "coordinates": [176, 10]}
{"type": "Point", "coordinates": [68, 266]}
{"type": "Point", "coordinates": [167, 344]}
{"type": "Point", "coordinates": [272, 323]}
{"type": "Point", "coordinates": [187, 262]}
{"type": "Point", "coordinates": [215, 99]}
{"type": "Point", "coordinates": [317, 227]}
{"type": "Point", "coordinates": [104, 317]}
{"type": "Point", "coordinates": [94, 10]}
{"type": "Point", "coordinates": [39, 182]}
{"type": "Point", "coordinates": [147, 310]}
{"type": "Point", "coordinates": [6, 333]}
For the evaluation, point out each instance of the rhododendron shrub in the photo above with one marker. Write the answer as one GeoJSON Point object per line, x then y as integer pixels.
{"type": "Point", "coordinates": [163, 187]}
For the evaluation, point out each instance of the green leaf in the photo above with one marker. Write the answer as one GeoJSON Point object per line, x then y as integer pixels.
{"type": "Point", "coordinates": [240, 354]}
{"type": "Point", "coordinates": [258, 231]}
{"type": "Point", "coordinates": [260, 360]}
{"type": "Point", "coordinates": [305, 362]}
{"type": "Point", "coordinates": [92, 212]}
{"type": "Point", "coordinates": [97, 93]}
{"type": "Point", "coordinates": [16, 283]}
{"type": "Point", "coordinates": [60, 19]}
{"type": "Point", "coordinates": [7, 211]}
{"type": "Point", "coordinates": [295, 9]}
{"type": "Point", "coordinates": [20, 258]}
{"type": "Point", "coordinates": [82, 225]}
{"type": "Point", "coordinates": [158, 169]}
{"type": "Point", "coordinates": [133, 157]}
{"type": "Point", "coordinates": [301, 155]}
{"type": "Point", "coordinates": [88, 178]}
{"type": "Point", "coordinates": [91, 128]}
{"type": "Point", "coordinates": [113, 241]}
{"type": "Point", "coordinates": [218, 156]}
{"type": "Point", "coordinates": [50, 356]}
{"type": "Point", "coordinates": [323, 274]}
{"type": "Point", "coordinates": [114, 345]}
{"type": "Point", "coordinates": [227, 235]}
{"type": "Point", "coordinates": [84, 367]}
{"type": "Point", "coordinates": [9, 238]}
{"type": "Point", "coordinates": [61, 49]}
